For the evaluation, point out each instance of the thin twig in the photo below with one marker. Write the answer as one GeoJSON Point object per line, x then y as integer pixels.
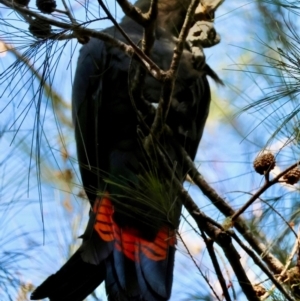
{"type": "Point", "coordinates": [267, 184]}
{"type": "Point", "coordinates": [217, 234]}
{"type": "Point", "coordinates": [274, 209]}
{"type": "Point", "coordinates": [79, 30]}
{"type": "Point", "coordinates": [136, 87]}
{"type": "Point", "coordinates": [211, 252]}
{"type": "Point", "coordinates": [133, 12]}
{"type": "Point", "coordinates": [286, 266]}
{"type": "Point", "coordinates": [228, 274]}
{"type": "Point", "coordinates": [149, 30]}
{"type": "Point", "coordinates": [150, 65]}
{"type": "Point", "coordinates": [198, 268]}
{"type": "Point", "coordinates": [182, 38]}
{"type": "Point", "coordinates": [69, 13]}
{"type": "Point", "coordinates": [261, 265]}
{"type": "Point", "coordinates": [188, 166]}
{"type": "Point", "coordinates": [223, 239]}
{"type": "Point", "coordinates": [169, 81]}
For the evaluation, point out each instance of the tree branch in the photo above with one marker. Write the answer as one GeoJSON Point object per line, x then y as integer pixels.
{"type": "Point", "coordinates": [169, 80]}
{"type": "Point", "coordinates": [273, 263]}
{"type": "Point", "coordinates": [261, 265]}
{"type": "Point", "coordinates": [133, 12]}
{"type": "Point", "coordinates": [79, 30]}
{"type": "Point", "coordinates": [216, 233]}
{"type": "Point", "coordinates": [224, 241]}
{"type": "Point", "coordinates": [154, 70]}
{"type": "Point", "coordinates": [201, 273]}
{"type": "Point", "coordinates": [211, 252]}
{"type": "Point", "coordinates": [267, 184]}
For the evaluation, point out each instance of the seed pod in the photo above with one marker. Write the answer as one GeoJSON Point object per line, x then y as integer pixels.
{"type": "Point", "coordinates": [46, 6]}
{"type": "Point", "coordinates": [264, 163]}
{"type": "Point", "coordinates": [40, 28]}
{"type": "Point", "coordinates": [22, 2]}
{"type": "Point", "coordinates": [292, 176]}
{"type": "Point", "coordinates": [259, 290]}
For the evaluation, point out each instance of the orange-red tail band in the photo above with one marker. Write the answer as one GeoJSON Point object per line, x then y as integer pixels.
{"type": "Point", "coordinates": [128, 240]}
{"type": "Point", "coordinates": [104, 223]}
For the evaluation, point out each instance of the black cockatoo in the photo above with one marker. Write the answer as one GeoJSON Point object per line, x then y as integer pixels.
{"type": "Point", "coordinates": [130, 239]}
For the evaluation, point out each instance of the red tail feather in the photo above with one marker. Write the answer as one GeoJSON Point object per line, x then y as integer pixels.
{"type": "Point", "coordinates": [158, 248]}
{"type": "Point", "coordinates": [128, 240]}
{"type": "Point", "coordinates": [104, 224]}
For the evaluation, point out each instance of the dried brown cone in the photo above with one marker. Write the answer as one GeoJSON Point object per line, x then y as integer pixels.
{"type": "Point", "coordinates": [46, 6]}
{"type": "Point", "coordinates": [259, 290]}
{"type": "Point", "coordinates": [264, 163]}
{"type": "Point", "coordinates": [292, 279]}
{"type": "Point", "coordinates": [292, 176]}
{"type": "Point", "coordinates": [40, 28]}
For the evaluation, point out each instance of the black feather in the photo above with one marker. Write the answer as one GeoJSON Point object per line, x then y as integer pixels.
{"type": "Point", "coordinates": [73, 282]}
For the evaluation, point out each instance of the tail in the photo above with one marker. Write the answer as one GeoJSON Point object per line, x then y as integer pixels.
{"type": "Point", "coordinates": [140, 269]}
{"type": "Point", "coordinates": [134, 269]}
{"type": "Point", "coordinates": [73, 282]}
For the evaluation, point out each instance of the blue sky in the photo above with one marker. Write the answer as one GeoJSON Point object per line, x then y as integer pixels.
{"type": "Point", "coordinates": [225, 156]}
